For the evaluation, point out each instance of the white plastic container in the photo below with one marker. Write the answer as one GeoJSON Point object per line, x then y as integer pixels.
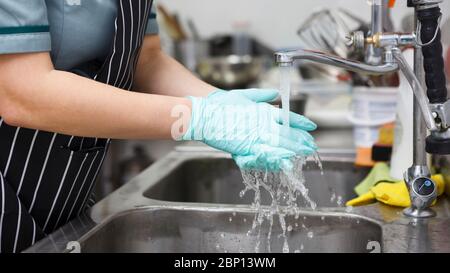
{"type": "Point", "coordinates": [371, 108]}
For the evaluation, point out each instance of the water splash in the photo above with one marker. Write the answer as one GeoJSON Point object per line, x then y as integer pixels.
{"type": "Point", "coordinates": [318, 161]}
{"type": "Point", "coordinates": [286, 189]}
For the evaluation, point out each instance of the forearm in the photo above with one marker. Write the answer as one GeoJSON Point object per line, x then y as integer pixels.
{"type": "Point", "coordinates": [66, 103]}
{"type": "Point", "coordinates": [158, 73]}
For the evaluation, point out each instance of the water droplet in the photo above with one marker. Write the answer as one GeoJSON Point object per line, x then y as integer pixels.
{"type": "Point", "coordinates": [222, 235]}
{"type": "Point", "coordinates": [310, 234]}
{"type": "Point", "coordinates": [289, 228]}
{"type": "Point", "coordinates": [333, 197]}
{"type": "Point", "coordinates": [234, 213]}
{"type": "Point", "coordinates": [245, 220]}
{"type": "Point", "coordinates": [285, 247]}
{"type": "Point", "coordinates": [302, 247]}
{"type": "Point", "coordinates": [322, 218]}
{"type": "Point", "coordinates": [349, 209]}
{"type": "Point", "coordinates": [230, 219]}
{"type": "Point", "coordinates": [242, 193]}
{"type": "Point", "coordinates": [339, 201]}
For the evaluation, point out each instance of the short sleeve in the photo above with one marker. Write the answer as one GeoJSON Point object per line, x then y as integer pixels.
{"type": "Point", "coordinates": [152, 24]}
{"type": "Point", "coordinates": [24, 26]}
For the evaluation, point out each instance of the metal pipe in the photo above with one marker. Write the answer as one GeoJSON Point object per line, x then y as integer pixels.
{"type": "Point", "coordinates": [288, 57]}
{"type": "Point", "coordinates": [377, 16]}
{"type": "Point", "coordinates": [373, 55]}
{"type": "Point", "coordinates": [417, 176]}
{"type": "Point", "coordinates": [420, 99]}
{"type": "Point", "coordinates": [419, 129]}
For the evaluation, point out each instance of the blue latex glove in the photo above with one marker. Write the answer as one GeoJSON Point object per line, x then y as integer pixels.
{"type": "Point", "coordinates": [266, 158]}
{"type": "Point", "coordinates": [242, 123]}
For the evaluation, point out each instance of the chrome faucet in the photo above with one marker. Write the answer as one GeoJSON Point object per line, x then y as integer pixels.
{"type": "Point", "coordinates": [380, 22]}
{"type": "Point", "coordinates": [431, 109]}
{"type": "Point", "coordinates": [287, 58]}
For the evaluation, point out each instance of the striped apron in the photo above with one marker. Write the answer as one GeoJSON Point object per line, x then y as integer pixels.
{"type": "Point", "coordinates": [46, 179]}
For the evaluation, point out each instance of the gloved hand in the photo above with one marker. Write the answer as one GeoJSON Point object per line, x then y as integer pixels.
{"type": "Point", "coordinates": [242, 123]}
{"type": "Point", "coordinates": [267, 158]}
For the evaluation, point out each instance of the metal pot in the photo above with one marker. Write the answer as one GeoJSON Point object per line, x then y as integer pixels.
{"type": "Point", "coordinates": [231, 72]}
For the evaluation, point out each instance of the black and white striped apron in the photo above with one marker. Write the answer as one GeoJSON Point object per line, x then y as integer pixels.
{"type": "Point", "coordinates": [46, 179]}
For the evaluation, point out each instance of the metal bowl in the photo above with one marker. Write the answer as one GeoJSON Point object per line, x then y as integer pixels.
{"type": "Point", "coordinates": [231, 72]}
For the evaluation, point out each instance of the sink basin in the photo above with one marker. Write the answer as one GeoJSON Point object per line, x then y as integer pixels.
{"type": "Point", "coordinates": [218, 180]}
{"type": "Point", "coordinates": [189, 202]}
{"type": "Point", "coordinates": [221, 230]}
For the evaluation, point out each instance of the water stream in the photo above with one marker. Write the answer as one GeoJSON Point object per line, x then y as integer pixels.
{"type": "Point", "coordinates": [285, 188]}
{"type": "Point", "coordinates": [285, 92]}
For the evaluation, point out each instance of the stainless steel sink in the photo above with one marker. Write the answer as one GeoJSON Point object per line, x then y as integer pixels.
{"type": "Point", "coordinates": [218, 180]}
{"type": "Point", "coordinates": [185, 201]}
{"type": "Point", "coordinates": [202, 230]}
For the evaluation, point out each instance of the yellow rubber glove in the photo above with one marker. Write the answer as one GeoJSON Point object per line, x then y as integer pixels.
{"type": "Point", "coordinates": [395, 194]}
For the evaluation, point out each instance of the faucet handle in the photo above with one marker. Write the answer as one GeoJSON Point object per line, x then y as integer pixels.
{"type": "Point", "coordinates": [422, 192]}
{"type": "Point", "coordinates": [356, 41]}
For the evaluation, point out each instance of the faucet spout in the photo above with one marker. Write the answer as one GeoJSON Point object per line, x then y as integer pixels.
{"type": "Point", "coordinates": [286, 58]}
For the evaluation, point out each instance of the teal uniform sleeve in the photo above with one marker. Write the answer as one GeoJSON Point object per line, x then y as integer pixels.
{"type": "Point", "coordinates": [152, 24]}
{"type": "Point", "coordinates": [24, 26]}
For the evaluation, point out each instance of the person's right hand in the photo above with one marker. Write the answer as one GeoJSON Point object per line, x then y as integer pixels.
{"type": "Point", "coordinates": [242, 123]}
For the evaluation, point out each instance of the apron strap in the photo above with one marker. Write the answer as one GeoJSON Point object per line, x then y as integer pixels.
{"type": "Point", "coordinates": [130, 24]}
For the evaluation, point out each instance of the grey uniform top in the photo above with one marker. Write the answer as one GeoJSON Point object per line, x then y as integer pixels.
{"type": "Point", "coordinates": [74, 31]}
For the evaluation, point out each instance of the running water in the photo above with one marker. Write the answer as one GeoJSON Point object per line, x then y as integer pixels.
{"type": "Point", "coordinates": [286, 188]}
{"type": "Point", "coordinates": [285, 92]}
